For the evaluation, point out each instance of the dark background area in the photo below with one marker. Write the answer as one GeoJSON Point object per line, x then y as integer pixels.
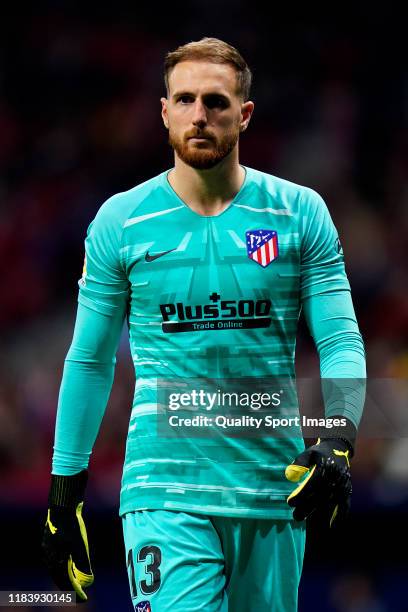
{"type": "Point", "coordinates": [80, 120]}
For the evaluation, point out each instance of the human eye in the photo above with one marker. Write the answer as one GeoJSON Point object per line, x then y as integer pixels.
{"type": "Point", "coordinates": [216, 102]}
{"type": "Point", "coordinates": [184, 99]}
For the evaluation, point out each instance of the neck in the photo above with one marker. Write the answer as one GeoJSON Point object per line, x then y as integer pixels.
{"type": "Point", "coordinates": [208, 192]}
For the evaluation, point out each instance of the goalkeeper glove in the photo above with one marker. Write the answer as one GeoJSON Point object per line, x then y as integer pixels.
{"type": "Point", "coordinates": [65, 542]}
{"type": "Point", "coordinates": [327, 486]}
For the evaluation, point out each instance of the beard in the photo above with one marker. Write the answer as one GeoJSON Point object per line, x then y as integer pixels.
{"type": "Point", "coordinates": [203, 158]}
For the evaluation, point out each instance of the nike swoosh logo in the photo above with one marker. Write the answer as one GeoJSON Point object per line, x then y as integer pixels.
{"type": "Point", "coordinates": [157, 255]}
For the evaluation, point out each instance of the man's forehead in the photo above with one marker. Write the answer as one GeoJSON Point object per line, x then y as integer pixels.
{"type": "Point", "coordinates": [201, 74]}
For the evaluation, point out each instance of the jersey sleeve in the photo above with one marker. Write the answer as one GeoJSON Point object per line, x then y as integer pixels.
{"type": "Point", "coordinates": [104, 286]}
{"type": "Point", "coordinates": [89, 365]}
{"type": "Point", "coordinates": [329, 312]}
{"type": "Point", "coordinates": [85, 387]}
{"type": "Point", "coordinates": [332, 323]}
{"type": "Point", "coordinates": [322, 261]}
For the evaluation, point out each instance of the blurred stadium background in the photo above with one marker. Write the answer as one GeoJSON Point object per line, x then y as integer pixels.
{"type": "Point", "coordinates": [79, 121]}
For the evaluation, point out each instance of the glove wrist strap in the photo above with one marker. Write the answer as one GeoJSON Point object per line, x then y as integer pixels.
{"type": "Point", "coordinates": [347, 434]}
{"type": "Point", "coordinates": [67, 491]}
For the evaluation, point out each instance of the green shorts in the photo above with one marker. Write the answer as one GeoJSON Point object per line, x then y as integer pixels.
{"type": "Point", "coordinates": [182, 562]}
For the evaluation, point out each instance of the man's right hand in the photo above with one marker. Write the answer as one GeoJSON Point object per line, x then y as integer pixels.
{"type": "Point", "coordinates": [65, 543]}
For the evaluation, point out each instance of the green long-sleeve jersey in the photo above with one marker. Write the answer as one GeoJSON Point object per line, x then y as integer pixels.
{"type": "Point", "coordinates": [215, 298]}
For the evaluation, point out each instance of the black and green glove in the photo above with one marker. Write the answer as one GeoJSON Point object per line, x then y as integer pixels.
{"type": "Point", "coordinates": [65, 543]}
{"type": "Point", "coordinates": [326, 488]}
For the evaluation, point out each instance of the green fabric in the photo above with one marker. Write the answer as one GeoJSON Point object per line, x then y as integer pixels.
{"type": "Point", "coordinates": [214, 564]}
{"type": "Point", "coordinates": [153, 261]}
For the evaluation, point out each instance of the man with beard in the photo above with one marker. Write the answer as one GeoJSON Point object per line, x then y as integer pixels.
{"type": "Point", "coordinates": [210, 263]}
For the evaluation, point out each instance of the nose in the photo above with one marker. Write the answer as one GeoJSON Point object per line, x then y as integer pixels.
{"type": "Point", "coordinates": [200, 115]}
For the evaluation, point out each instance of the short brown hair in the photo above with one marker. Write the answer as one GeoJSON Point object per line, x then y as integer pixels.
{"type": "Point", "coordinates": [211, 50]}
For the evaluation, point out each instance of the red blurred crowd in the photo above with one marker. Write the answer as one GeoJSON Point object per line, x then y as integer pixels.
{"type": "Point", "coordinates": [80, 120]}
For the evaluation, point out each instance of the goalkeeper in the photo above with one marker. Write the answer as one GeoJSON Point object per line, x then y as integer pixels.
{"type": "Point", "coordinates": [210, 264]}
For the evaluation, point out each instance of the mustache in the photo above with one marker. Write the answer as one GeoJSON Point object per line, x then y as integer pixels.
{"type": "Point", "coordinates": [198, 134]}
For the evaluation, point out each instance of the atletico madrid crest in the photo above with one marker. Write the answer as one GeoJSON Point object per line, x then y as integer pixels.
{"type": "Point", "coordinates": [262, 246]}
{"type": "Point", "coordinates": [143, 606]}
